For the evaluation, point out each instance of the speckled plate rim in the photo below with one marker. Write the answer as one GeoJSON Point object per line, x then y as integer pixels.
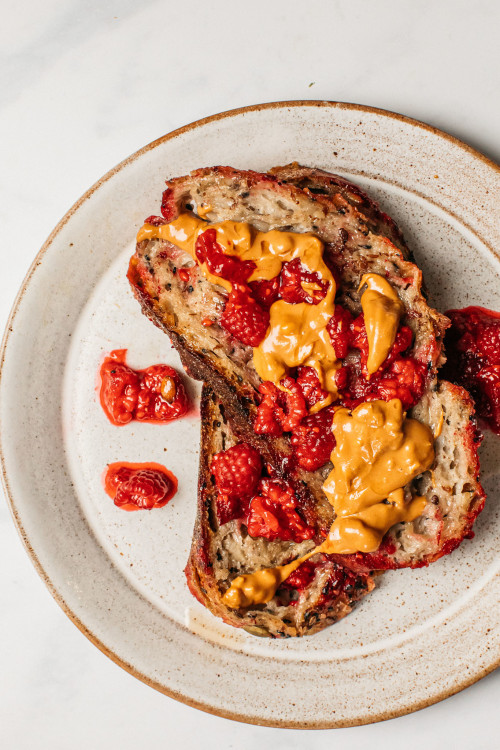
{"type": "Point", "coordinates": [339, 723]}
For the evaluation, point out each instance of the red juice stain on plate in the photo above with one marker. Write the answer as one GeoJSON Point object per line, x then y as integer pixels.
{"type": "Point", "coordinates": [139, 486]}
{"type": "Point", "coordinates": [155, 394]}
{"type": "Point", "coordinates": [473, 349]}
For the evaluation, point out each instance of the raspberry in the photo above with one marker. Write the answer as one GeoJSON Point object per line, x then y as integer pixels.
{"type": "Point", "coordinates": [293, 408]}
{"type": "Point", "coordinates": [293, 277]}
{"type": "Point", "coordinates": [155, 394]}
{"type": "Point", "coordinates": [339, 328]}
{"type": "Point", "coordinates": [237, 470]}
{"type": "Point", "coordinates": [308, 381]}
{"type": "Point", "coordinates": [273, 514]}
{"type": "Point", "coordinates": [119, 390]}
{"type": "Point", "coordinates": [267, 421]}
{"type": "Point", "coordinates": [243, 318]}
{"type": "Point", "coordinates": [229, 508]}
{"type": "Point", "coordinates": [168, 205]}
{"type": "Point", "coordinates": [404, 379]}
{"type": "Point", "coordinates": [138, 489]}
{"type": "Point", "coordinates": [359, 339]}
{"type": "Point", "coordinates": [218, 262]}
{"type": "Point", "coordinates": [342, 378]}
{"type": "Point", "coordinates": [473, 348]}
{"type": "Point", "coordinates": [358, 388]}
{"type": "Point", "coordinates": [144, 489]}
{"type": "Point", "coordinates": [401, 343]}
{"type": "Point", "coordinates": [279, 410]}
{"type": "Point", "coordinates": [302, 577]}
{"type": "Point", "coordinates": [161, 396]}
{"type": "Point", "coordinates": [488, 395]}
{"type": "Point", "coordinates": [265, 292]}
{"type": "Point", "coordinates": [313, 440]}
{"type": "Point", "coordinates": [156, 221]}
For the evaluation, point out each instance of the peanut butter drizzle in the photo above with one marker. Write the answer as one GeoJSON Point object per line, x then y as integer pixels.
{"type": "Point", "coordinates": [377, 452]}
{"type": "Point", "coordinates": [382, 309]}
{"type": "Point", "coordinates": [260, 587]}
{"type": "Point", "coordinates": [297, 333]}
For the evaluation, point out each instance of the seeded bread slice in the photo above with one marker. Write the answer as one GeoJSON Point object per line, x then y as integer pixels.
{"type": "Point", "coordinates": [220, 553]}
{"type": "Point", "coordinates": [354, 246]}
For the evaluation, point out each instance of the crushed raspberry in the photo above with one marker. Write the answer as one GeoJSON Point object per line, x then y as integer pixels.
{"type": "Point", "coordinates": [155, 394]}
{"type": "Point", "coordinates": [339, 328]}
{"type": "Point", "coordinates": [119, 389]}
{"type": "Point", "coordinates": [313, 440]}
{"type": "Point", "coordinates": [143, 490]}
{"type": "Point", "coordinates": [308, 381]}
{"type": "Point", "coordinates": [473, 349]}
{"type": "Point", "coordinates": [139, 486]}
{"type": "Point", "coordinates": [402, 342]}
{"type": "Point", "coordinates": [338, 580]}
{"type": "Point", "coordinates": [279, 410]}
{"type": "Point", "coordinates": [404, 379]}
{"type": "Point", "coordinates": [359, 340]}
{"type": "Point", "coordinates": [301, 578]}
{"type": "Point", "coordinates": [168, 205]}
{"type": "Point", "coordinates": [273, 514]}
{"type": "Point", "coordinates": [244, 318]}
{"type": "Point", "coordinates": [399, 376]}
{"type": "Point", "coordinates": [267, 421]}
{"type": "Point", "coordinates": [161, 395]}
{"type": "Point", "coordinates": [229, 508]}
{"type": "Point", "coordinates": [265, 292]}
{"type": "Point", "coordinates": [297, 284]}
{"type": "Point", "coordinates": [237, 470]}
{"type": "Point", "coordinates": [342, 378]}
{"type": "Point", "coordinates": [218, 263]}
{"type": "Point", "coordinates": [155, 221]}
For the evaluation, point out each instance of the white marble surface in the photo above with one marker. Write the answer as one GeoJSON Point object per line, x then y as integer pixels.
{"type": "Point", "coordinates": [84, 84]}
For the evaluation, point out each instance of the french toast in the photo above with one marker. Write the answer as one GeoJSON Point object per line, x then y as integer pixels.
{"type": "Point", "coordinates": [358, 240]}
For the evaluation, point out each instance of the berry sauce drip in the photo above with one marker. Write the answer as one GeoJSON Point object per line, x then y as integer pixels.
{"type": "Point", "coordinates": [473, 350]}
{"type": "Point", "coordinates": [155, 394]}
{"type": "Point", "coordinates": [139, 486]}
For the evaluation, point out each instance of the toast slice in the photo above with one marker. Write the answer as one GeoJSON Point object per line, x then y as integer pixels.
{"type": "Point", "coordinates": [354, 232]}
{"type": "Point", "coordinates": [220, 552]}
{"type": "Point", "coordinates": [332, 584]}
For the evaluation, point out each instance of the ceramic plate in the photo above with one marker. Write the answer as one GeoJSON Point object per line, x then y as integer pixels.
{"type": "Point", "coordinates": [425, 634]}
